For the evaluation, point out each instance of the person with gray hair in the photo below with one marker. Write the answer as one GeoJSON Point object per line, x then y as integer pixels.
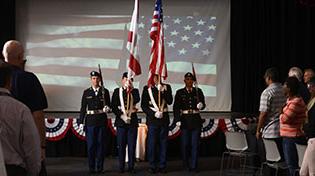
{"type": "Point", "coordinates": [303, 92]}
{"type": "Point", "coordinates": [27, 89]}
{"type": "Point", "coordinates": [308, 74]}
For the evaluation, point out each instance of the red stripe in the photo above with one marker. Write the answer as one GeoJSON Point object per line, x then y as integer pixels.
{"type": "Point", "coordinates": [134, 65]}
{"type": "Point", "coordinates": [130, 34]}
{"type": "Point", "coordinates": [71, 71]}
{"type": "Point", "coordinates": [81, 21]}
{"type": "Point", "coordinates": [75, 52]}
{"type": "Point", "coordinates": [106, 34]}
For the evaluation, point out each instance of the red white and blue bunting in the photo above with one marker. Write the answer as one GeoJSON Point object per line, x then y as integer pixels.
{"type": "Point", "coordinates": [56, 128]}
{"type": "Point", "coordinates": [77, 131]}
{"type": "Point", "coordinates": [209, 127]}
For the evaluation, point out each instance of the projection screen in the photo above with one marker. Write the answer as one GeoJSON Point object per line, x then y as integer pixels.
{"type": "Point", "coordinates": [66, 39]}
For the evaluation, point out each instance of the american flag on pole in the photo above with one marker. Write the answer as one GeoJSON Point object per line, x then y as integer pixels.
{"type": "Point", "coordinates": [157, 59]}
{"type": "Point", "coordinates": [134, 67]}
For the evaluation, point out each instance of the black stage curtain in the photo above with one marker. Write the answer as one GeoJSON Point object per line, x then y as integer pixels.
{"type": "Point", "coordinates": [7, 19]}
{"type": "Point", "coordinates": [267, 33]}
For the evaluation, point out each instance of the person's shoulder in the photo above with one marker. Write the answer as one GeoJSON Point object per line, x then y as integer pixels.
{"type": "Point", "coordinates": [19, 106]}
{"type": "Point", "coordinates": [88, 90]}
{"type": "Point", "coordinates": [180, 90]}
{"type": "Point", "coordinates": [145, 87]}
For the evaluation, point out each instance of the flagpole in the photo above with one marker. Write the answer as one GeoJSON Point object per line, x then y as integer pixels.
{"type": "Point", "coordinates": [159, 98]}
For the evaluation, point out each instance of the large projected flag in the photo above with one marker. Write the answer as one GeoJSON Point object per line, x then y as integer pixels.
{"type": "Point", "coordinates": [157, 59]}
{"type": "Point", "coordinates": [63, 48]}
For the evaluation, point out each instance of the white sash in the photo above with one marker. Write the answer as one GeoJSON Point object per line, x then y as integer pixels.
{"type": "Point", "coordinates": [156, 108]}
{"type": "Point", "coordinates": [121, 98]}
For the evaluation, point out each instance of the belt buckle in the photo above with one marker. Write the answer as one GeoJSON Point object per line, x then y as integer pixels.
{"type": "Point", "coordinates": [190, 111]}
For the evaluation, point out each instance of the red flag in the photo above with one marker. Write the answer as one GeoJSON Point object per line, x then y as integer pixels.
{"type": "Point", "coordinates": [134, 67]}
{"type": "Point", "coordinates": [157, 59]}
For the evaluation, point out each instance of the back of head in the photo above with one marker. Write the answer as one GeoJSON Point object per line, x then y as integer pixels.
{"type": "Point", "coordinates": [293, 84]}
{"type": "Point", "coordinates": [5, 75]}
{"type": "Point", "coordinates": [273, 74]}
{"type": "Point", "coordinates": [296, 72]}
{"type": "Point", "coordinates": [12, 51]}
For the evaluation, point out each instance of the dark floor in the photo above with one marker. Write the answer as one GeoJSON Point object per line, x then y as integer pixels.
{"type": "Point", "coordinates": [66, 166]}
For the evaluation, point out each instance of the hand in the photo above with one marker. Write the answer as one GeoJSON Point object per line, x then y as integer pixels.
{"type": "Point", "coordinates": [106, 109]}
{"type": "Point", "coordinates": [161, 87]}
{"type": "Point", "coordinates": [258, 134]}
{"type": "Point", "coordinates": [199, 105]}
{"type": "Point", "coordinates": [158, 114]}
{"type": "Point", "coordinates": [125, 118]}
{"type": "Point", "coordinates": [81, 126]}
{"type": "Point", "coordinates": [178, 123]}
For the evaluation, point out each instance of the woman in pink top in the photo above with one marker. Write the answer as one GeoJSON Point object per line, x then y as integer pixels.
{"type": "Point", "coordinates": [291, 119]}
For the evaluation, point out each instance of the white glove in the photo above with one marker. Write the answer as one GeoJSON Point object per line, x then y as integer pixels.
{"type": "Point", "coordinates": [125, 118]}
{"type": "Point", "coordinates": [178, 124]}
{"type": "Point", "coordinates": [199, 105]}
{"type": "Point", "coordinates": [106, 109]}
{"type": "Point", "coordinates": [81, 126]}
{"type": "Point", "coordinates": [158, 114]}
{"type": "Point", "coordinates": [161, 87]}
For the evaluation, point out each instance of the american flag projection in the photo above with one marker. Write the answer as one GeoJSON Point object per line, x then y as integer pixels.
{"type": "Point", "coordinates": [63, 48]}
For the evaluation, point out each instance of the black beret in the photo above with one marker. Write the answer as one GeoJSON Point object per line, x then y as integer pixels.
{"type": "Point", "coordinates": [95, 73]}
{"type": "Point", "coordinates": [125, 75]}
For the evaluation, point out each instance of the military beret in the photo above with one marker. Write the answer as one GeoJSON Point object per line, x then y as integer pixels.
{"type": "Point", "coordinates": [95, 73]}
{"type": "Point", "coordinates": [125, 75]}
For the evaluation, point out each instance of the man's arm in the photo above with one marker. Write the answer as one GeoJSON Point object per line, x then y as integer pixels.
{"type": "Point", "coordinates": [260, 124]}
{"type": "Point", "coordinates": [39, 119]}
{"type": "Point", "coordinates": [30, 142]}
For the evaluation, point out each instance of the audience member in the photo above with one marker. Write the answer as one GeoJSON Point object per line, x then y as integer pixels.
{"type": "Point", "coordinates": [291, 120]}
{"type": "Point", "coordinates": [19, 137]}
{"type": "Point", "coordinates": [27, 89]}
{"type": "Point", "coordinates": [271, 101]}
{"type": "Point", "coordinates": [308, 74]}
{"type": "Point", "coordinates": [303, 92]}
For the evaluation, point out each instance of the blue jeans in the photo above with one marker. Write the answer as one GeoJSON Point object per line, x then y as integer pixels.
{"type": "Point", "coordinates": [290, 154]}
{"type": "Point", "coordinates": [157, 135]}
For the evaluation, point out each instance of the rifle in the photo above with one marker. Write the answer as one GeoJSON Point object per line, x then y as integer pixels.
{"type": "Point", "coordinates": [102, 85]}
{"type": "Point", "coordinates": [195, 81]}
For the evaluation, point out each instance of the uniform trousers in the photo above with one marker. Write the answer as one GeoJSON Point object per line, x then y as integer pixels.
{"type": "Point", "coordinates": [95, 136]}
{"type": "Point", "coordinates": [157, 146]}
{"type": "Point", "coordinates": [126, 136]}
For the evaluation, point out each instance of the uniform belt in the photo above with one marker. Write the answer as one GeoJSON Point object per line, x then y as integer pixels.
{"type": "Point", "coordinates": [190, 111]}
{"type": "Point", "coordinates": [98, 111]}
{"type": "Point", "coordinates": [164, 110]}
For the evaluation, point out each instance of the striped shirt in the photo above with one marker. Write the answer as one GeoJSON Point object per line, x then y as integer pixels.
{"type": "Point", "coordinates": [271, 101]}
{"type": "Point", "coordinates": [292, 118]}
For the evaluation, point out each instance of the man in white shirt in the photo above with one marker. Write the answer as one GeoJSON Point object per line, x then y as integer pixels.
{"type": "Point", "coordinates": [18, 132]}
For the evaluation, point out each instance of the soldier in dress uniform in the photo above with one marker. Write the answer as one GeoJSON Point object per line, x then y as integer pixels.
{"type": "Point", "coordinates": [124, 107]}
{"type": "Point", "coordinates": [187, 105]}
{"type": "Point", "coordinates": [95, 105]}
{"type": "Point", "coordinates": [157, 119]}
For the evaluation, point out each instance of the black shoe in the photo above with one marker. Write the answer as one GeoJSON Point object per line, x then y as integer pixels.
{"type": "Point", "coordinates": [163, 170]}
{"type": "Point", "coordinates": [152, 170]}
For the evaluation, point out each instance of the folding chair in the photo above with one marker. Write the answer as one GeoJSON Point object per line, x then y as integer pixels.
{"type": "Point", "coordinates": [300, 151]}
{"type": "Point", "coordinates": [236, 144]}
{"type": "Point", "coordinates": [273, 156]}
